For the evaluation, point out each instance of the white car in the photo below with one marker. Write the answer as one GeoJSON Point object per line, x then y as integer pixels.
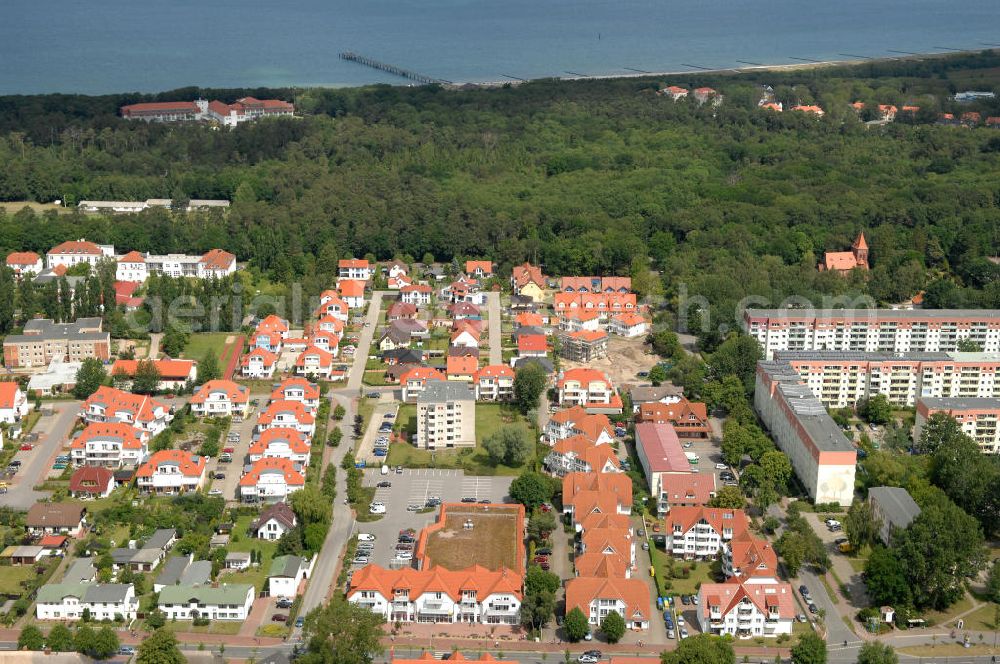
{"type": "Point", "coordinates": [366, 537]}
{"type": "Point", "coordinates": [683, 633]}
{"type": "Point", "coordinates": [377, 508]}
{"type": "Point", "coordinates": [215, 492]}
{"type": "Point", "coordinates": [404, 555]}
{"type": "Point", "coordinates": [721, 466]}
{"type": "Point", "coordinates": [832, 523]}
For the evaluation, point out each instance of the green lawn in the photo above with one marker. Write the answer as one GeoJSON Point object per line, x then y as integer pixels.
{"type": "Point", "coordinates": [701, 572]}
{"type": "Point", "coordinates": [201, 343]}
{"type": "Point", "coordinates": [228, 627]}
{"type": "Point", "coordinates": [241, 541]}
{"type": "Point", "coordinates": [374, 378]}
{"type": "Point", "coordinates": [982, 619]}
{"type": "Point", "coordinates": [11, 578]}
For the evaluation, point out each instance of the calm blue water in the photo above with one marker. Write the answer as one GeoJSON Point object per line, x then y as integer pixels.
{"type": "Point", "coordinates": [105, 46]}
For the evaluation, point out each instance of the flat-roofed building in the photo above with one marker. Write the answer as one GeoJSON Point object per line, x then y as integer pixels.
{"type": "Point", "coordinates": [872, 330]}
{"type": "Point", "coordinates": [977, 418]}
{"type": "Point", "coordinates": [821, 455]}
{"type": "Point", "coordinates": [446, 416]}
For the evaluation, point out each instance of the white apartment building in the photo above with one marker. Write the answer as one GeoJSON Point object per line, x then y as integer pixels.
{"type": "Point", "coordinates": [841, 379]}
{"type": "Point", "coordinates": [291, 414]}
{"type": "Point", "coordinates": [221, 398]}
{"type": "Point", "coordinates": [978, 418]}
{"type": "Point", "coordinates": [823, 459]}
{"type": "Point", "coordinates": [171, 472]}
{"type": "Point", "coordinates": [446, 416]}
{"type": "Point", "coordinates": [110, 445]}
{"type": "Point", "coordinates": [271, 479]}
{"type": "Point", "coordinates": [583, 387]}
{"type": "Point", "coordinates": [73, 252]}
{"type": "Point", "coordinates": [746, 608]}
{"type": "Point", "coordinates": [354, 268]}
{"type": "Point", "coordinates": [872, 330]}
{"type": "Point", "coordinates": [103, 601]}
{"type": "Point", "coordinates": [702, 532]}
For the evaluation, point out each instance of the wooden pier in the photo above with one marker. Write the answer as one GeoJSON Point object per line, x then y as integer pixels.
{"type": "Point", "coordinates": [391, 69]}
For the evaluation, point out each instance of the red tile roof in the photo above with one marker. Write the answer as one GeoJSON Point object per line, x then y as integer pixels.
{"type": "Point", "coordinates": [532, 343]}
{"type": "Point", "coordinates": [168, 369]}
{"type": "Point", "coordinates": [160, 106]}
{"type": "Point", "coordinates": [351, 287]}
{"type": "Point", "coordinates": [23, 258]}
{"type": "Point", "coordinates": [302, 416]}
{"type": "Point", "coordinates": [662, 448]}
{"type": "Point", "coordinates": [353, 263]}
{"type": "Point", "coordinates": [131, 437]}
{"type": "Point", "coordinates": [604, 492]}
{"type": "Point", "coordinates": [494, 371]}
{"type": "Point", "coordinates": [634, 593]}
{"type": "Point", "coordinates": [235, 392]}
{"type": "Point", "coordinates": [753, 556]}
{"type": "Point", "coordinates": [726, 596]}
{"type": "Point", "coordinates": [718, 518]}
{"type": "Point", "coordinates": [217, 259]}
{"type": "Point", "coordinates": [584, 376]}
{"type": "Point", "coordinates": [141, 407]}
{"type": "Point", "coordinates": [190, 465]}
{"type": "Point", "coordinates": [90, 479]}
{"type": "Point", "coordinates": [688, 488]}
{"type": "Point", "coordinates": [589, 335]}
{"type": "Point", "coordinates": [485, 266]}
{"type": "Point", "coordinates": [8, 393]}
{"type": "Point", "coordinates": [132, 257]}
{"type": "Point", "coordinates": [476, 579]}
{"type": "Point", "coordinates": [325, 358]}
{"type": "Point", "coordinates": [462, 365]}
{"type": "Point", "coordinates": [295, 440]}
{"type": "Point", "coordinates": [421, 374]}
{"type": "Point", "coordinates": [76, 247]}
{"type": "Point", "coordinates": [528, 319]}
{"type": "Point", "coordinates": [527, 273]}
{"type": "Point", "coordinates": [273, 465]}
{"type": "Point", "coordinates": [310, 391]}
{"type": "Point", "coordinates": [267, 356]}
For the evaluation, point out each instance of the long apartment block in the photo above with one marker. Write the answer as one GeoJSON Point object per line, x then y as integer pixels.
{"type": "Point", "coordinates": [872, 330]}
{"type": "Point", "coordinates": [823, 459]}
{"type": "Point", "coordinates": [978, 418]}
{"type": "Point", "coordinates": [841, 379]}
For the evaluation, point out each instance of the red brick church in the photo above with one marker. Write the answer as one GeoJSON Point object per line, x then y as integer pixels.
{"type": "Point", "coordinates": [845, 261]}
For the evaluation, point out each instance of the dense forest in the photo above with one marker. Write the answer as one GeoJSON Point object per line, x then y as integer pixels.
{"type": "Point", "coordinates": [582, 177]}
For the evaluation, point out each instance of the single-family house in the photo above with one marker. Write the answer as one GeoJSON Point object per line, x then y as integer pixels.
{"type": "Point", "coordinates": [287, 574]}
{"type": "Point", "coordinates": [274, 521]}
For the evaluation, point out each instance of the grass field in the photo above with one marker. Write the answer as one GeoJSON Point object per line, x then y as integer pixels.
{"type": "Point", "coordinates": [201, 343]}
{"type": "Point", "coordinates": [17, 206]}
{"type": "Point", "coordinates": [492, 541]}
{"type": "Point", "coordinates": [11, 578]}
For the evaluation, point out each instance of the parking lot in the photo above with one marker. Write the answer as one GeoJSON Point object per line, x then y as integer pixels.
{"type": "Point", "coordinates": [386, 404]}
{"type": "Point", "coordinates": [413, 488]}
{"type": "Point", "coordinates": [709, 453]}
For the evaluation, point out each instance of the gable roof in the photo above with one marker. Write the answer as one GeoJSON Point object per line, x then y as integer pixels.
{"type": "Point", "coordinates": [55, 515]}
{"type": "Point", "coordinates": [532, 343]}
{"type": "Point", "coordinates": [718, 518]}
{"type": "Point", "coordinates": [421, 374]}
{"type": "Point", "coordinates": [141, 407]}
{"type": "Point", "coordinates": [267, 357]}
{"type": "Point", "coordinates": [351, 288]}
{"type": "Point", "coordinates": [310, 391]}
{"type": "Point", "coordinates": [478, 579]}
{"type": "Point", "coordinates": [485, 266]}
{"type": "Point", "coordinates": [217, 259]}
{"type": "Point", "coordinates": [167, 368]}
{"type": "Point", "coordinates": [633, 593]}
{"type": "Point", "coordinates": [688, 488]}
{"type": "Point", "coordinates": [189, 465]}
{"type": "Point", "coordinates": [279, 512]}
{"type": "Point", "coordinates": [90, 479]}
{"type": "Point", "coordinates": [462, 365]}
{"type": "Point", "coordinates": [494, 371]}
{"type": "Point", "coordinates": [8, 393]}
{"type": "Point", "coordinates": [728, 595]}
{"type": "Point", "coordinates": [284, 467]}
{"type": "Point", "coordinates": [234, 391]}
{"type": "Point", "coordinates": [296, 408]}
{"type": "Point", "coordinates": [23, 258]}
{"type": "Point", "coordinates": [130, 437]}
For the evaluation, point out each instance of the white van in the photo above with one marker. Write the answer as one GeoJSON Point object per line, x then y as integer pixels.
{"type": "Point", "coordinates": [385, 469]}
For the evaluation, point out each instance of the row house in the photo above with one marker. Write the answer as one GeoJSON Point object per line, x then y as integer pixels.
{"type": "Point", "coordinates": [595, 284]}
{"type": "Point", "coordinates": [226, 601]}
{"type": "Point", "coordinates": [872, 330]}
{"type": "Point", "coordinates": [587, 493]}
{"type": "Point", "coordinates": [689, 419]}
{"type": "Point", "coordinates": [473, 595]}
{"type": "Point", "coordinates": [271, 479]}
{"type": "Point", "coordinates": [258, 363]}
{"type": "Point", "coordinates": [136, 267]}
{"type": "Point", "coordinates": [575, 421]}
{"type": "Point", "coordinates": [354, 268]}
{"type": "Point", "coordinates": [746, 608]}
{"type": "Point", "coordinates": [100, 601]}
{"type": "Point", "coordinates": [577, 454]}
{"type": "Point", "coordinates": [174, 374]}
{"type": "Point", "coordinates": [281, 443]}
{"type": "Point", "coordinates": [352, 292]}
{"type": "Point", "coordinates": [597, 597]}
{"type": "Point", "coordinates": [171, 472]}
{"type": "Point", "coordinates": [629, 325]}
{"type": "Point", "coordinates": [291, 414]}
{"type": "Point", "coordinates": [298, 389]}
{"type": "Point", "coordinates": [703, 532]}
{"type": "Point", "coordinates": [25, 262]}
{"type": "Point", "coordinates": [316, 362]}
{"type": "Point", "coordinates": [494, 382]}
{"type": "Point", "coordinates": [108, 404]}
{"type": "Point", "coordinates": [221, 398]}
{"type": "Point", "coordinates": [109, 445]}
{"type": "Point", "coordinates": [415, 381]}
{"type": "Point", "coordinates": [606, 304]}
{"type": "Point", "coordinates": [589, 388]}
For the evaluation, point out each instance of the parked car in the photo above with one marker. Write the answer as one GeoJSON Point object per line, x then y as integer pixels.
{"type": "Point", "coordinates": [813, 608]}
{"type": "Point", "coordinates": [219, 476]}
{"type": "Point", "coordinates": [544, 551]}
{"type": "Point", "coordinates": [27, 447]}
{"type": "Point", "coordinates": [541, 559]}
{"type": "Point", "coordinates": [670, 633]}
{"type": "Point", "coordinates": [385, 484]}
{"type": "Point", "coordinates": [300, 621]}
{"type": "Point", "coordinates": [279, 617]}
{"type": "Point", "coordinates": [381, 452]}
{"type": "Point", "coordinates": [374, 395]}
{"type": "Point", "coordinates": [126, 651]}
{"type": "Point", "coordinates": [588, 659]}
{"type": "Point", "coordinates": [685, 600]}
{"type": "Point", "coordinates": [284, 603]}
{"type": "Point", "coordinates": [468, 499]}
{"type": "Point", "coordinates": [399, 470]}
{"type": "Point", "coordinates": [377, 508]}
{"type": "Point", "coordinates": [485, 501]}
{"type": "Point", "coordinates": [684, 632]}
{"type": "Point", "coordinates": [721, 466]}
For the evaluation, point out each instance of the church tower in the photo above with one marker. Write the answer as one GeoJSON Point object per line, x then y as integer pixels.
{"type": "Point", "coordinates": [860, 250]}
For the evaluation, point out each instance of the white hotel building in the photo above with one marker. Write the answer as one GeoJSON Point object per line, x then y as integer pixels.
{"type": "Point", "coordinates": [872, 330]}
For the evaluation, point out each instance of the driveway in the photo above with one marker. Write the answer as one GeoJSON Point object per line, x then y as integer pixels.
{"type": "Point", "coordinates": [495, 338]}
{"type": "Point", "coordinates": [366, 450]}
{"type": "Point", "coordinates": [53, 433]}
{"type": "Point", "coordinates": [234, 469]}
{"type": "Point", "coordinates": [364, 342]}
{"type": "Point", "coordinates": [414, 487]}
{"type": "Point", "coordinates": [841, 565]}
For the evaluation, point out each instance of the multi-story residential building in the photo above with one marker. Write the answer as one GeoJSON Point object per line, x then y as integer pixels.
{"type": "Point", "coordinates": [25, 262]}
{"type": "Point", "coordinates": [479, 269]}
{"type": "Point", "coordinates": [661, 456]}
{"type": "Point", "coordinates": [74, 252]}
{"type": "Point", "coordinates": [298, 389]}
{"type": "Point", "coordinates": [823, 459]}
{"type": "Point", "coordinates": [110, 444]}
{"type": "Point", "coordinates": [494, 382]}
{"type": "Point", "coordinates": [685, 490]}
{"type": "Point", "coordinates": [419, 295]}
{"type": "Point", "coordinates": [589, 388]}
{"type": "Point", "coordinates": [605, 551]}
{"type": "Point", "coordinates": [893, 508]}
{"type": "Point", "coordinates": [446, 416]}
{"type": "Point", "coordinates": [575, 421]}
{"type": "Point", "coordinates": [580, 321]}
{"type": "Point", "coordinates": [174, 374]}
{"type": "Point", "coordinates": [352, 292]}
{"type": "Point", "coordinates": [101, 601]}
{"type": "Point", "coordinates": [163, 111]}
{"type": "Point", "coordinates": [462, 367]}
{"type": "Point", "coordinates": [977, 418]}
{"type": "Point", "coordinates": [258, 363]}
{"type": "Point", "coordinates": [604, 493]}
{"type": "Point", "coordinates": [584, 346]}
{"type": "Point", "coordinates": [689, 419]}
{"type": "Point", "coordinates": [330, 304]}
{"type": "Point", "coordinates": [416, 380]}
{"type": "Point", "coordinates": [439, 595]}
{"type": "Point", "coordinates": [274, 521]}
{"type": "Point", "coordinates": [746, 608]}
{"type": "Point", "coordinates": [214, 602]}
{"type": "Point", "coordinates": [246, 109]}
{"type": "Point", "coordinates": [629, 325]}
{"type": "Point", "coordinates": [132, 268]}
{"type": "Point", "coordinates": [872, 330]}
{"type": "Point", "coordinates": [314, 361]}
{"type": "Point", "coordinates": [598, 596]}
{"type": "Point", "coordinates": [44, 340]}
{"type": "Point", "coordinates": [282, 443]}
{"type": "Point", "coordinates": [291, 414]}
{"type": "Point", "coordinates": [749, 557]}
{"type": "Point", "coordinates": [271, 479]}
{"type": "Point", "coordinates": [607, 305]}
{"type": "Point", "coordinates": [703, 532]}
{"type": "Point", "coordinates": [13, 402]}
{"type": "Point", "coordinates": [595, 284]}
{"type": "Point", "coordinates": [108, 404]}
{"type": "Point", "coordinates": [840, 379]}
{"type": "Point", "coordinates": [171, 472]}
{"type": "Point", "coordinates": [578, 454]}
{"type": "Point", "coordinates": [354, 268]}
{"type": "Point", "coordinates": [221, 398]}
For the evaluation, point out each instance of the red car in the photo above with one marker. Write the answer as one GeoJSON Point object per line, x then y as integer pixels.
{"type": "Point", "coordinates": [27, 447]}
{"type": "Point", "coordinates": [656, 527]}
{"type": "Point", "coordinates": [541, 559]}
{"type": "Point", "coordinates": [545, 507]}
{"type": "Point", "coordinates": [227, 450]}
{"type": "Point", "coordinates": [279, 617]}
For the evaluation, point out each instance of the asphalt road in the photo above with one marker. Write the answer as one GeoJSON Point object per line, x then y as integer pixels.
{"type": "Point", "coordinates": [496, 341]}
{"type": "Point", "coordinates": [53, 433]}
{"type": "Point", "coordinates": [364, 342]}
